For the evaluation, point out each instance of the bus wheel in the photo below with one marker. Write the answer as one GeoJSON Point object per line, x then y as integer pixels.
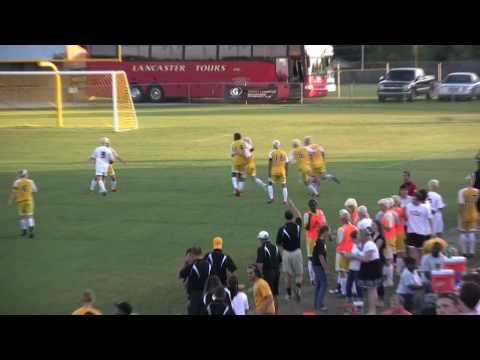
{"type": "Point", "coordinates": [137, 93]}
{"type": "Point", "coordinates": [155, 93]}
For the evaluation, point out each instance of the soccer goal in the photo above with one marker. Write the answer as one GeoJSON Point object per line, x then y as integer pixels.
{"type": "Point", "coordinates": [72, 99]}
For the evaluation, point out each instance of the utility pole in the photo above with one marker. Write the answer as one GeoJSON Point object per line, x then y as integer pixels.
{"type": "Point", "coordinates": [415, 54]}
{"type": "Point", "coordinates": [363, 58]}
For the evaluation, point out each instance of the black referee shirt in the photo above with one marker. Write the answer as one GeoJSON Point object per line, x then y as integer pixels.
{"type": "Point", "coordinates": [269, 255]}
{"type": "Point", "coordinates": [289, 235]}
{"type": "Point", "coordinates": [220, 264]}
{"type": "Point", "coordinates": [196, 275]}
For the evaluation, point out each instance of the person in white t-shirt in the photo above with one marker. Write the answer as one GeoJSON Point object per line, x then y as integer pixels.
{"type": "Point", "coordinates": [433, 261]}
{"type": "Point", "coordinates": [364, 221]}
{"type": "Point", "coordinates": [239, 298]}
{"type": "Point", "coordinates": [405, 199]}
{"type": "Point", "coordinates": [353, 271]}
{"type": "Point", "coordinates": [103, 158]}
{"type": "Point", "coordinates": [419, 224]}
{"type": "Point", "coordinates": [437, 206]}
{"type": "Point", "coordinates": [409, 282]}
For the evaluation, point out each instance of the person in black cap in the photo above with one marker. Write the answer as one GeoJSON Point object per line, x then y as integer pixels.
{"type": "Point", "coordinates": [123, 308]}
{"type": "Point", "coordinates": [268, 262]}
{"type": "Point", "coordinates": [195, 273]}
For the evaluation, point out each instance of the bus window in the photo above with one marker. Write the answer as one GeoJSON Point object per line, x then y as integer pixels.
{"type": "Point", "coordinates": [234, 51]}
{"type": "Point", "coordinates": [135, 52]}
{"type": "Point", "coordinates": [103, 51]}
{"type": "Point", "coordinates": [200, 52]}
{"type": "Point", "coordinates": [281, 65]}
{"type": "Point", "coordinates": [167, 52]}
{"type": "Point", "coordinates": [295, 51]}
{"type": "Point", "coordinates": [269, 51]}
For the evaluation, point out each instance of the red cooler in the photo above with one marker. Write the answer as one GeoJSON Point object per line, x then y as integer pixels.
{"type": "Point", "coordinates": [457, 264]}
{"type": "Point", "coordinates": [443, 281]}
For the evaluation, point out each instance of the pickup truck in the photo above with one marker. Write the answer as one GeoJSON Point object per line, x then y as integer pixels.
{"type": "Point", "coordinates": [405, 84]}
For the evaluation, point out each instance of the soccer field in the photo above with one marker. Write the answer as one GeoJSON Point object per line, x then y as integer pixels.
{"type": "Point", "coordinates": [176, 191]}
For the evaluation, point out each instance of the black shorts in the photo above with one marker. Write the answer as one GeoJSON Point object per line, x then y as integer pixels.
{"type": "Point", "coordinates": [272, 277]}
{"type": "Point", "coordinates": [416, 240]}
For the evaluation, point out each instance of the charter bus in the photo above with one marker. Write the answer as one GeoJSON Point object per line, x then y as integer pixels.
{"type": "Point", "coordinates": [160, 72]}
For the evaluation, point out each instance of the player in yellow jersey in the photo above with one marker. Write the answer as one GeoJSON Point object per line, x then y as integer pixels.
{"type": "Point", "coordinates": [300, 156]}
{"type": "Point", "coordinates": [22, 191]}
{"type": "Point", "coordinates": [468, 215]}
{"type": "Point", "coordinates": [318, 161]}
{"type": "Point", "coordinates": [277, 171]}
{"type": "Point", "coordinates": [251, 167]}
{"type": "Point", "coordinates": [239, 165]}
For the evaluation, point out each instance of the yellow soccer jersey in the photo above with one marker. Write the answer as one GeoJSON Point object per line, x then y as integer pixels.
{"type": "Point", "coordinates": [279, 161]}
{"type": "Point", "coordinates": [468, 198]}
{"type": "Point", "coordinates": [301, 157]}
{"type": "Point", "coordinates": [238, 150]}
{"type": "Point", "coordinates": [24, 189]}
{"type": "Point", "coordinates": [316, 153]}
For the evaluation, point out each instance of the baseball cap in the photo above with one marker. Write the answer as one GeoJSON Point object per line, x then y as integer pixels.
{"type": "Point", "coordinates": [124, 307]}
{"type": "Point", "coordinates": [263, 235]}
{"type": "Point", "coordinates": [218, 243]}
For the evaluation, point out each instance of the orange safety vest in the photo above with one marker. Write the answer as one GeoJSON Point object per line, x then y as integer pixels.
{"type": "Point", "coordinates": [354, 216]}
{"type": "Point", "coordinates": [317, 220]}
{"type": "Point", "coordinates": [388, 233]}
{"type": "Point", "coordinates": [400, 225]}
{"type": "Point", "coordinates": [347, 244]}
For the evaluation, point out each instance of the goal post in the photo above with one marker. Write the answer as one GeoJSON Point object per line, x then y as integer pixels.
{"type": "Point", "coordinates": [91, 99]}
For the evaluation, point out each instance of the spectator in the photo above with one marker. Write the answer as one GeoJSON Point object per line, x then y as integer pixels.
{"type": "Point", "coordinates": [405, 199]}
{"type": "Point", "coordinates": [379, 240]}
{"type": "Point", "coordinates": [437, 205]}
{"type": "Point", "coordinates": [220, 262]}
{"type": "Point", "coordinates": [407, 180]}
{"type": "Point", "coordinates": [239, 298]}
{"type": "Point", "coordinates": [123, 308]}
{"type": "Point", "coordinates": [219, 305]}
{"type": "Point", "coordinates": [370, 276]}
{"type": "Point", "coordinates": [264, 303]}
{"type": "Point", "coordinates": [432, 261]}
{"type": "Point", "coordinates": [88, 304]}
{"type": "Point", "coordinates": [364, 221]}
{"type": "Point", "coordinates": [467, 200]}
{"type": "Point", "coordinates": [288, 237]}
{"type": "Point", "coordinates": [213, 282]}
{"type": "Point", "coordinates": [320, 268]}
{"type": "Point", "coordinates": [269, 260]}
{"type": "Point", "coordinates": [448, 304]}
{"type": "Point", "coordinates": [354, 269]}
{"type": "Point", "coordinates": [419, 225]}
{"type": "Point", "coordinates": [314, 219]}
{"type": "Point", "coordinates": [409, 282]}
{"type": "Point", "coordinates": [351, 206]}
{"type": "Point", "coordinates": [387, 219]}
{"type": "Point", "coordinates": [400, 233]}
{"type": "Point", "coordinates": [473, 277]}
{"type": "Point", "coordinates": [344, 247]}
{"type": "Point", "coordinates": [470, 297]}
{"type": "Point", "coordinates": [396, 307]}
{"type": "Point", "coordinates": [195, 273]}
{"type": "Point", "coordinates": [476, 179]}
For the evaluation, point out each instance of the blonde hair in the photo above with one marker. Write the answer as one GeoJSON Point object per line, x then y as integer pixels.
{"type": "Point", "coordinates": [396, 200]}
{"type": "Point", "coordinates": [351, 202]}
{"type": "Point", "coordinates": [344, 214]}
{"type": "Point", "coordinates": [433, 183]}
{"type": "Point", "coordinates": [276, 144]}
{"type": "Point", "coordinates": [362, 210]}
{"type": "Point", "coordinates": [296, 143]}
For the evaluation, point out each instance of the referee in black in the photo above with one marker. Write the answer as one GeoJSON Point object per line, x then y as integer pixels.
{"type": "Point", "coordinates": [269, 260]}
{"type": "Point", "coordinates": [195, 273]}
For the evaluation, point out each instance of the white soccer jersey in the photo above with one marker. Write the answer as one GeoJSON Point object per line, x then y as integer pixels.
{"type": "Point", "coordinates": [406, 201]}
{"type": "Point", "coordinates": [102, 156]}
{"type": "Point", "coordinates": [248, 150]}
{"type": "Point", "coordinates": [437, 204]}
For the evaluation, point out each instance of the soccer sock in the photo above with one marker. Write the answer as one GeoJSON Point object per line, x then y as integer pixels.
{"type": "Point", "coordinates": [270, 192]}
{"type": "Point", "coordinates": [471, 243]}
{"type": "Point", "coordinates": [400, 265]}
{"type": "Point", "coordinates": [343, 285]}
{"type": "Point", "coordinates": [285, 194]}
{"type": "Point", "coordinates": [23, 224]}
{"type": "Point", "coordinates": [388, 270]}
{"type": "Point", "coordinates": [30, 222]}
{"type": "Point", "coordinates": [234, 183]}
{"type": "Point", "coordinates": [289, 291]}
{"type": "Point", "coordinates": [101, 184]}
{"type": "Point", "coordinates": [114, 185]}
{"type": "Point", "coordinates": [312, 189]}
{"type": "Point", "coordinates": [259, 182]}
{"type": "Point", "coordinates": [328, 176]}
{"type": "Point", "coordinates": [241, 185]}
{"type": "Point", "coordinates": [462, 242]}
{"type": "Point", "coordinates": [311, 273]}
{"type": "Point", "coordinates": [93, 183]}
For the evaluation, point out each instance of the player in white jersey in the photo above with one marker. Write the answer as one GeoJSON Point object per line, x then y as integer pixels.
{"type": "Point", "coordinates": [103, 158]}
{"type": "Point", "coordinates": [437, 205]}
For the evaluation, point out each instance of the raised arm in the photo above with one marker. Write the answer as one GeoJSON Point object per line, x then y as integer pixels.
{"type": "Point", "coordinates": [291, 206]}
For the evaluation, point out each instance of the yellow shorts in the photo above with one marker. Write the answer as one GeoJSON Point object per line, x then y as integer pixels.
{"type": "Point", "coordinates": [239, 168]}
{"type": "Point", "coordinates": [25, 208]}
{"type": "Point", "coordinates": [111, 170]}
{"type": "Point", "coordinates": [388, 252]}
{"type": "Point", "coordinates": [342, 263]}
{"type": "Point", "coordinates": [252, 170]}
{"type": "Point", "coordinates": [279, 179]}
{"type": "Point", "coordinates": [400, 242]}
{"type": "Point", "coordinates": [306, 172]}
{"type": "Point", "coordinates": [310, 245]}
{"type": "Point", "coordinates": [319, 170]}
{"type": "Point", "coordinates": [468, 225]}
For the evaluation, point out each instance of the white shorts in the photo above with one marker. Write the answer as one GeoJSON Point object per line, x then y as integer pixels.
{"type": "Point", "coordinates": [101, 170]}
{"type": "Point", "coordinates": [437, 223]}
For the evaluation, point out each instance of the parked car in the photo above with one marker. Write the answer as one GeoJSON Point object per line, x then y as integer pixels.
{"type": "Point", "coordinates": [405, 84]}
{"type": "Point", "coordinates": [460, 85]}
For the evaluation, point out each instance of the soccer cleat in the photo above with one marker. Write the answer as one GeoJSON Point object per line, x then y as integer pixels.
{"type": "Point", "coordinates": [270, 201]}
{"type": "Point", "coordinates": [104, 193]}
{"type": "Point", "coordinates": [114, 190]}
{"type": "Point", "coordinates": [298, 294]}
{"type": "Point", "coordinates": [24, 233]}
{"type": "Point", "coordinates": [288, 297]}
{"type": "Point", "coordinates": [31, 236]}
{"type": "Point", "coordinates": [335, 179]}
{"type": "Point", "coordinates": [333, 291]}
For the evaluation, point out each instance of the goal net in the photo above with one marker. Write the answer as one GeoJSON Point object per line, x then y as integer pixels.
{"type": "Point", "coordinates": [72, 99]}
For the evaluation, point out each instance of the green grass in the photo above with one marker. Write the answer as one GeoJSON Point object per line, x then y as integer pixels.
{"type": "Point", "coordinates": [176, 190]}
